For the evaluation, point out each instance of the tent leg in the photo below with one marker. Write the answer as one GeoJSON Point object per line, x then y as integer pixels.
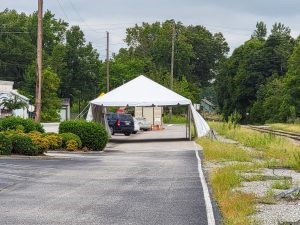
{"type": "Point", "coordinates": [186, 123]}
{"type": "Point", "coordinates": [190, 124]}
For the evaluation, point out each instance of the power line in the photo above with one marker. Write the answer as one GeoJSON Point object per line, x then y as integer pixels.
{"type": "Point", "coordinates": [62, 9]}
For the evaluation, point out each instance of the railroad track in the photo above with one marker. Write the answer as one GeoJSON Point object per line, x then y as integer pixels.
{"type": "Point", "coordinates": [291, 135]}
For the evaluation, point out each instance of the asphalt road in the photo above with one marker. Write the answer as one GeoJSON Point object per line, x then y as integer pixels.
{"type": "Point", "coordinates": [141, 179]}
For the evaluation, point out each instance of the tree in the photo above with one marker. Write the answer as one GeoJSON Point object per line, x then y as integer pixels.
{"type": "Point", "coordinates": [261, 30]}
{"type": "Point", "coordinates": [251, 80]}
{"type": "Point", "coordinates": [293, 79]}
{"type": "Point", "coordinates": [11, 104]}
{"type": "Point", "coordinates": [51, 103]}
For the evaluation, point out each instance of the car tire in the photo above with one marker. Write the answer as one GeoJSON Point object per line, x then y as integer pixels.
{"type": "Point", "coordinates": [127, 133]}
{"type": "Point", "coordinates": [134, 132]}
{"type": "Point", "coordinates": [111, 130]}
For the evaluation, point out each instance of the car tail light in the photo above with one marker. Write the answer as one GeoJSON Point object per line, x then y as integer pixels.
{"type": "Point", "coordinates": [118, 123]}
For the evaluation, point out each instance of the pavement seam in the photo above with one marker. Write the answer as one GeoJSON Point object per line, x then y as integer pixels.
{"type": "Point", "coordinates": [208, 204]}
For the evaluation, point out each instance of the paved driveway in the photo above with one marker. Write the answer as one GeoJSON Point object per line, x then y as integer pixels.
{"type": "Point", "coordinates": [135, 181]}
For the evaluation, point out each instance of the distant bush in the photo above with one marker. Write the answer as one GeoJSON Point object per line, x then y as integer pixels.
{"type": "Point", "coordinates": [22, 144]}
{"type": "Point", "coordinates": [93, 135]}
{"type": "Point", "coordinates": [18, 123]}
{"type": "Point", "coordinates": [5, 145]}
{"type": "Point", "coordinates": [55, 140]}
{"type": "Point", "coordinates": [68, 137]}
{"type": "Point", "coordinates": [176, 119]}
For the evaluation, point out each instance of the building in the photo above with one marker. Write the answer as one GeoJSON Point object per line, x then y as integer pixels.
{"type": "Point", "coordinates": [153, 115]}
{"type": "Point", "coordinates": [7, 92]}
{"type": "Point", "coordinates": [207, 106]}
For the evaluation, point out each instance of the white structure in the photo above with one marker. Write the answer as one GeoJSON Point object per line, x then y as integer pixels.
{"type": "Point", "coordinates": [152, 114]}
{"type": "Point", "coordinates": [142, 91]}
{"type": "Point", "coordinates": [7, 92]}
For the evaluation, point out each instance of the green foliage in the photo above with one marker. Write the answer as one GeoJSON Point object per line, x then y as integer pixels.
{"type": "Point", "coordinates": [5, 145]}
{"type": "Point", "coordinates": [13, 123]}
{"type": "Point", "coordinates": [12, 104]}
{"type": "Point", "coordinates": [93, 135]}
{"type": "Point", "coordinates": [176, 119]}
{"type": "Point", "coordinates": [253, 80]}
{"type": "Point", "coordinates": [72, 145]}
{"type": "Point", "coordinates": [23, 145]}
{"type": "Point", "coordinates": [54, 140]}
{"type": "Point", "coordinates": [39, 140]}
{"type": "Point", "coordinates": [50, 101]}
{"type": "Point", "coordinates": [234, 119]}
{"type": "Point", "coordinates": [66, 137]}
{"type": "Point", "coordinates": [282, 184]}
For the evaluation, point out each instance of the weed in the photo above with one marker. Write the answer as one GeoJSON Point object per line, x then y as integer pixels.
{"type": "Point", "coordinates": [282, 184]}
{"type": "Point", "coordinates": [269, 197]}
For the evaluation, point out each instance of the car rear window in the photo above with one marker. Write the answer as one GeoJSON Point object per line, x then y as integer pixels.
{"type": "Point", "coordinates": [126, 117]}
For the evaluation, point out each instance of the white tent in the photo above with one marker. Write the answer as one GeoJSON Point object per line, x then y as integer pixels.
{"type": "Point", "coordinates": [142, 91]}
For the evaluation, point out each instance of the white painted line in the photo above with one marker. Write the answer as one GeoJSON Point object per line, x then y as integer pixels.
{"type": "Point", "coordinates": [208, 205]}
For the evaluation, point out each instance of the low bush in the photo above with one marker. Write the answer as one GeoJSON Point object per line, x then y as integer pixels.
{"type": "Point", "coordinates": [55, 140]}
{"type": "Point", "coordinates": [93, 135]}
{"type": "Point", "coordinates": [18, 123]}
{"type": "Point", "coordinates": [72, 145]}
{"type": "Point", "coordinates": [39, 140]}
{"type": "Point", "coordinates": [22, 144]}
{"type": "Point", "coordinates": [68, 137]}
{"type": "Point", "coordinates": [5, 145]}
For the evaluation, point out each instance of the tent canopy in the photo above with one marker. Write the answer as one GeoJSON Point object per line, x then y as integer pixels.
{"type": "Point", "coordinates": [141, 91]}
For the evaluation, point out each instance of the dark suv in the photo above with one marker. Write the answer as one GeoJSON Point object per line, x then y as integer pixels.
{"type": "Point", "coordinates": [120, 123]}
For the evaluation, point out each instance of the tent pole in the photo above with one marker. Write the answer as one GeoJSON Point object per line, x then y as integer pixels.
{"type": "Point", "coordinates": [190, 118]}
{"type": "Point", "coordinates": [186, 123]}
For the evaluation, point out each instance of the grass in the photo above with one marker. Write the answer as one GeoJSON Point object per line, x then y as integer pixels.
{"type": "Point", "coordinates": [267, 151]}
{"type": "Point", "coordinates": [279, 150]}
{"type": "Point", "coordinates": [282, 184]}
{"type": "Point", "coordinates": [289, 127]}
{"type": "Point", "coordinates": [216, 151]}
{"type": "Point", "coordinates": [236, 207]}
{"type": "Point", "coordinates": [269, 197]}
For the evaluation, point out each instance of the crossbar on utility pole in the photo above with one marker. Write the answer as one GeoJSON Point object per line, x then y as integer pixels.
{"type": "Point", "coordinates": [107, 61]}
{"type": "Point", "coordinates": [39, 63]}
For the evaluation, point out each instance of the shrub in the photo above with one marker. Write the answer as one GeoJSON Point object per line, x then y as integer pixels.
{"type": "Point", "coordinates": [68, 137]}
{"type": "Point", "coordinates": [22, 144]}
{"type": "Point", "coordinates": [5, 145]}
{"type": "Point", "coordinates": [38, 139]}
{"type": "Point", "coordinates": [55, 140]}
{"type": "Point", "coordinates": [93, 135]}
{"type": "Point", "coordinates": [17, 123]}
{"type": "Point", "coordinates": [71, 145]}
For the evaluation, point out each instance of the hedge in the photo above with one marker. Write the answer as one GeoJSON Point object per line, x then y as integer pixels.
{"type": "Point", "coordinates": [15, 123]}
{"type": "Point", "coordinates": [5, 145]}
{"type": "Point", "coordinates": [66, 137]}
{"type": "Point", "coordinates": [93, 135]}
{"type": "Point", "coordinates": [23, 145]}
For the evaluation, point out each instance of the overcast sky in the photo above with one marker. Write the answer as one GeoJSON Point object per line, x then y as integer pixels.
{"type": "Point", "coordinates": [236, 19]}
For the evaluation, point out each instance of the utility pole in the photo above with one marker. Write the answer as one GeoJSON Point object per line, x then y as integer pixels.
{"type": "Point", "coordinates": [39, 63]}
{"type": "Point", "coordinates": [172, 55]}
{"type": "Point", "coordinates": [172, 65]}
{"type": "Point", "coordinates": [107, 61]}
